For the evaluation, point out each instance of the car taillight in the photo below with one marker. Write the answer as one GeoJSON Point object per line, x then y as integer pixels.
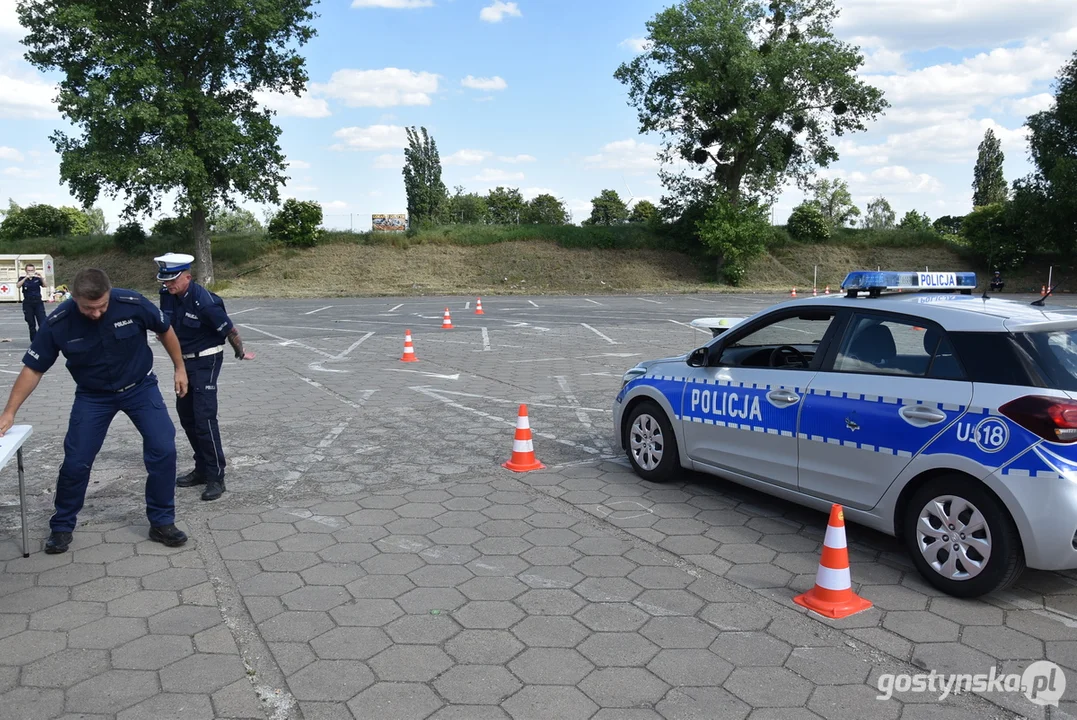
{"type": "Point", "coordinates": [1052, 418]}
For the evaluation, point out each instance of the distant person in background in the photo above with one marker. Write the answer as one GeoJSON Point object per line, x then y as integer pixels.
{"type": "Point", "coordinates": [33, 307]}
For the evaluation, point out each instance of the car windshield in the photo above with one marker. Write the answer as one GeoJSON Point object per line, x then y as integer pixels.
{"type": "Point", "coordinates": [1055, 352]}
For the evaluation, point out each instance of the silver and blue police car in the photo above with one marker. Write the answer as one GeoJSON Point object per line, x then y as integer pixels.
{"type": "Point", "coordinates": [942, 417]}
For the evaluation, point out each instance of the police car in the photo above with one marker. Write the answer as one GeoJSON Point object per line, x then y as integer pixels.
{"type": "Point", "coordinates": [942, 417]}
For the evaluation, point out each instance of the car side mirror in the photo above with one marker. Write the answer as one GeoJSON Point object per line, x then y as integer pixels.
{"type": "Point", "coordinates": [699, 357]}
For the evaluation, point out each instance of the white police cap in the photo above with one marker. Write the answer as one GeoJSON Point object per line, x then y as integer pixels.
{"type": "Point", "coordinates": [172, 265]}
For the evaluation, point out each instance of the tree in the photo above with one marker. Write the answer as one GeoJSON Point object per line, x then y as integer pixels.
{"type": "Point", "coordinates": [297, 223]}
{"type": "Point", "coordinates": [988, 182]}
{"type": "Point", "coordinates": [505, 205]}
{"type": "Point", "coordinates": [608, 209]}
{"type": "Point", "coordinates": [466, 209]}
{"type": "Point", "coordinates": [35, 221]}
{"type": "Point", "coordinates": [237, 222]}
{"type": "Point", "coordinates": [879, 216]}
{"type": "Point", "coordinates": [734, 234]}
{"type": "Point", "coordinates": [992, 239]}
{"type": "Point", "coordinates": [948, 225]}
{"type": "Point", "coordinates": [643, 211]}
{"type": "Point", "coordinates": [834, 200]}
{"type": "Point", "coordinates": [545, 209]}
{"type": "Point", "coordinates": [808, 224]}
{"type": "Point", "coordinates": [164, 94]}
{"type": "Point", "coordinates": [755, 91]}
{"type": "Point", "coordinates": [422, 179]}
{"type": "Point", "coordinates": [77, 221]}
{"type": "Point", "coordinates": [915, 222]}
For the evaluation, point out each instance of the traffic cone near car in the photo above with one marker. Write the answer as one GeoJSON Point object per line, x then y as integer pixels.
{"type": "Point", "coordinates": [446, 324]}
{"type": "Point", "coordinates": [833, 594]}
{"type": "Point", "coordinates": [478, 307]}
{"type": "Point", "coordinates": [409, 349]}
{"type": "Point", "coordinates": [523, 450]}
{"type": "Point", "coordinates": [827, 291]}
{"type": "Point", "coordinates": [794, 293]}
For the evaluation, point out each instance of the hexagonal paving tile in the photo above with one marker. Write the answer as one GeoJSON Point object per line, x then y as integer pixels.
{"type": "Point", "coordinates": [295, 626]}
{"type": "Point", "coordinates": [67, 615]}
{"type": "Point", "coordinates": [550, 602]}
{"type": "Point", "coordinates": [440, 576]}
{"type": "Point", "coordinates": [542, 702]}
{"type": "Point", "coordinates": [143, 604]}
{"type": "Point", "coordinates": [828, 666]}
{"type": "Point", "coordinates": [488, 614]}
{"type": "Point", "coordinates": [618, 649]}
{"type": "Point", "coordinates": [104, 634]}
{"type": "Point", "coordinates": [679, 633]}
{"type": "Point", "coordinates": [769, 687]}
{"type": "Point", "coordinates": [152, 652]}
{"type": "Point", "coordinates": [550, 632]}
{"type": "Point", "coordinates": [406, 701]}
{"type": "Point", "coordinates": [410, 663]}
{"type": "Point", "coordinates": [112, 691]}
{"type": "Point", "coordinates": [425, 600]}
{"type": "Point", "coordinates": [484, 647]}
{"type": "Point", "coordinates": [612, 617]}
{"type": "Point", "coordinates": [202, 673]}
{"type": "Point", "coordinates": [751, 648]}
{"type": "Point", "coordinates": [551, 666]}
{"type": "Point", "coordinates": [316, 598]}
{"type": "Point", "coordinates": [371, 613]}
{"type": "Point", "coordinates": [350, 643]}
{"type": "Point", "coordinates": [331, 680]}
{"type": "Point", "coordinates": [690, 667]}
{"type": "Point", "coordinates": [65, 668]}
{"type": "Point", "coordinates": [476, 684]}
{"type": "Point", "coordinates": [623, 687]}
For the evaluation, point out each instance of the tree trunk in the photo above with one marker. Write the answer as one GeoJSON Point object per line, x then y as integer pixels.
{"type": "Point", "coordinates": [203, 251]}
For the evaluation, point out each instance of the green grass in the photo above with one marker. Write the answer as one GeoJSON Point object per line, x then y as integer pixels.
{"type": "Point", "coordinates": [567, 236]}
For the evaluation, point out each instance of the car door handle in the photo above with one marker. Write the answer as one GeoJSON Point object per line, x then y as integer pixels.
{"type": "Point", "coordinates": [922, 414]}
{"type": "Point", "coordinates": [783, 396]}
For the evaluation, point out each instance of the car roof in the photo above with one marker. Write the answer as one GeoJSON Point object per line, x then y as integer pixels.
{"type": "Point", "coordinates": [955, 312]}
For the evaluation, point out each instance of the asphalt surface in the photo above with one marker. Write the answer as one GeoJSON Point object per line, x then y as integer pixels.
{"type": "Point", "coordinates": [372, 558]}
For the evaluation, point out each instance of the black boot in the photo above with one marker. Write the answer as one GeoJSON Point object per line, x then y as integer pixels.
{"type": "Point", "coordinates": [191, 479]}
{"type": "Point", "coordinates": [214, 489]}
{"type": "Point", "coordinates": [58, 542]}
{"type": "Point", "coordinates": [169, 535]}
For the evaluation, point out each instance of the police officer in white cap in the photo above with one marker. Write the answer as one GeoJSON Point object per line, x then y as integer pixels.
{"type": "Point", "coordinates": [202, 325]}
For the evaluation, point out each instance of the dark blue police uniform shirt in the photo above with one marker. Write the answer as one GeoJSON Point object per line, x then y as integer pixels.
{"type": "Point", "coordinates": [198, 316]}
{"type": "Point", "coordinates": [31, 289]}
{"type": "Point", "coordinates": [105, 355]}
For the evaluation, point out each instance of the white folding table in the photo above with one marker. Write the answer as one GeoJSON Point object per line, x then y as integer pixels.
{"type": "Point", "coordinates": [11, 445]}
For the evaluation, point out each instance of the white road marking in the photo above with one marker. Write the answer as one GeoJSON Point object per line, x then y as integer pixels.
{"type": "Point", "coordinates": [592, 301]}
{"type": "Point", "coordinates": [467, 305]}
{"type": "Point", "coordinates": [455, 376]}
{"type": "Point", "coordinates": [581, 414]}
{"type": "Point", "coordinates": [532, 302]}
{"type": "Point", "coordinates": [309, 327]}
{"type": "Point", "coordinates": [325, 442]}
{"type": "Point", "coordinates": [485, 339]}
{"type": "Point", "coordinates": [608, 339]}
{"type": "Point", "coordinates": [396, 307]}
{"type": "Point", "coordinates": [354, 345]}
{"type": "Point", "coordinates": [318, 310]}
{"type": "Point", "coordinates": [516, 402]}
{"type": "Point", "coordinates": [338, 396]}
{"type": "Point", "coordinates": [10, 372]}
{"type": "Point", "coordinates": [240, 312]}
{"type": "Point", "coordinates": [705, 332]}
{"type": "Point", "coordinates": [605, 511]}
{"type": "Point", "coordinates": [650, 301]}
{"type": "Point", "coordinates": [286, 342]}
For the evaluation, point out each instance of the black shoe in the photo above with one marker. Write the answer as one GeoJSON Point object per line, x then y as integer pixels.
{"type": "Point", "coordinates": [57, 543]}
{"type": "Point", "coordinates": [169, 535]}
{"type": "Point", "coordinates": [214, 489]}
{"type": "Point", "coordinates": [191, 479]}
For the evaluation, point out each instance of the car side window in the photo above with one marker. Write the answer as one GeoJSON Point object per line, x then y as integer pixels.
{"type": "Point", "coordinates": [760, 347]}
{"type": "Point", "coordinates": [889, 346]}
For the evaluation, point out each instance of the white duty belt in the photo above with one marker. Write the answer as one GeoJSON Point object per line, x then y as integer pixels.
{"type": "Point", "coordinates": [204, 353]}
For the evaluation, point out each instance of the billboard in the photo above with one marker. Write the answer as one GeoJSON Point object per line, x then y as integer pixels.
{"type": "Point", "coordinates": [389, 223]}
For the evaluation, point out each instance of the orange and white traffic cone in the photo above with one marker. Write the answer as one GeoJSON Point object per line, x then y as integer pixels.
{"type": "Point", "coordinates": [1043, 289]}
{"type": "Point", "coordinates": [833, 594]}
{"type": "Point", "coordinates": [446, 324]}
{"type": "Point", "coordinates": [794, 293]}
{"type": "Point", "coordinates": [478, 307]}
{"type": "Point", "coordinates": [523, 451]}
{"type": "Point", "coordinates": [827, 291]}
{"type": "Point", "coordinates": [814, 292]}
{"type": "Point", "coordinates": [409, 349]}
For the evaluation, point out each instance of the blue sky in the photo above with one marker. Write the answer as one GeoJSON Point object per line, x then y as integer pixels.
{"type": "Point", "coordinates": [522, 94]}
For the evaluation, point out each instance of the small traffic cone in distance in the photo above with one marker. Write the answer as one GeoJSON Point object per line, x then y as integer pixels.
{"type": "Point", "coordinates": [794, 293]}
{"type": "Point", "coordinates": [409, 349]}
{"type": "Point", "coordinates": [1043, 289]}
{"type": "Point", "coordinates": [478, 307]}
{"type": "Point", "coordinates": [814, 292]}
{"type": "Point", "coordinates": [523, 450]}
{"type": "Point", "coordinates": [833, 595]}
{"type": "Point", "coordinates": [827, 291]}
{"type": "Point", "coordinates": [446, 324]}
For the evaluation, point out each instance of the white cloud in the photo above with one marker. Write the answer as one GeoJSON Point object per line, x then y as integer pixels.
{"type": "Point", "coordinates": [379, 88]}
{"type": "Point", "coordinates": [516, 158]}
{"type": "Point", "coordinates": [393, 4]}
{"type": "Point", "coordinates": [636, 44]}
{"type": "Point", "coordinates": [467, 157]}
{"type": "Point", "coordinates": [625, 155]}
{"type": "Point", "coordinates": [305, 189]}
{"type": "Point", "coordinates": [881, 60]}
{"type": "Point", "coordinates": [375, 137]}
{"type": "Point", "coordinates": [335, 205]}
{"type": "Point", "coordinates": [27, 98]}
{"type": "Point", "coordinates": [18, 172]}
{"type": "Point", "coordinates": [498, 10]}
{"type": "Point", "coordinates": [7, 153]}
{"type": "Point", "coordinates": [493, 175]}
{"type": "Point", "coordinates": [533, 192]}
{"type": "Point", "coordinates": [893, 180]}
{"type": "Point", "coordinates": [9, 19]}
{"type": "Point", "coordinates": [482, 83]}
{"type": "Point", "coordinates": [952, 142]}
{"type": "Point", "coordinates": [299, 164]}
{"type": "Point", "coordinates": [1030, 105]}
{"type": "Point", "coordinates": [288, 105]}
{"type": "Point", "coordinates": [389, 162]}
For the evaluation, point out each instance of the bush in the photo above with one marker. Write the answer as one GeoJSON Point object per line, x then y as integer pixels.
{"type": "Point", "coordinates": [297, 223]}
{"type": "Point", "coordinates": [178, 228]}
{"type": "Point", "coordinates": [35, 221]}
{"type": "Point", "coordinates": [78, 221]}
{"type": "Point", "coordinates": [992, 239]}
{"type": "Point", "coordinates": [736, 234]}
{"type": "Point", "coordinates": [129, 237]}
{"type": "Point", "coordinates": [808, 224]}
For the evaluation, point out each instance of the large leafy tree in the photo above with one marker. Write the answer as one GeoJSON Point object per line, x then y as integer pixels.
{"type": "Point", "coordinates": [427, 196]}
{"type": "Point", "coordinates": [988, 181]}
{"type": "Point", "coordinates": [750, 91]}
{"type": "Point", "coordinates": [879, 215]}
{"type": "Point", "coordinates": [163, 94]}
{"type": "Point", "coordinates": [834, 200]}
{"type": "Point", "coordinates": [545, 209]}
{"type": "Point", "coordinates": [505, 206]}
{"type": "Point", "coordinates": [608, 209]}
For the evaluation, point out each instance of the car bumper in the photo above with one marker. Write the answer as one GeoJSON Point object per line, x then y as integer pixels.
{"type": "Point", "coordinates": [1044, 508]}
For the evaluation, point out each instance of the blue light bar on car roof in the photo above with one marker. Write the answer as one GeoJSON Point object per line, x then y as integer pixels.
{"type": "Point", "coordinates": [874, 282]}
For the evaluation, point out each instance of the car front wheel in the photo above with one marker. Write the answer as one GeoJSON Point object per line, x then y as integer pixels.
{"type": "Point", "coordinates": [961, 538]}
{"type": "Point", "coordinates": [652, 448]}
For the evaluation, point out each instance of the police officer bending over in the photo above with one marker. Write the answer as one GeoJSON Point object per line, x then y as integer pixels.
{"type": "Point", "coordinates": [101, 331]}
{"type": "Point", "coordinates": [202, 325]}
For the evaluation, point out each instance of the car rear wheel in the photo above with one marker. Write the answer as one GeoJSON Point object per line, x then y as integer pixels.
{"type": "Point", "coordinates": [652, 447]}
{"type": "Point", "coordinates": [961, 538]}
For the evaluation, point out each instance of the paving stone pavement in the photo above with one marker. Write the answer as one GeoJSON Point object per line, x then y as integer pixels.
{"type": "Point", "coordinates": [373, 560]}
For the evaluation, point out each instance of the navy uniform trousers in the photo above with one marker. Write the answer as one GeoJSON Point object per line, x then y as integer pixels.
{"type": "Point", "coordinates": [91, 415]}
{"type": "Point", "coordinates": [34, 312]}
{"type": "Point", "coordinates": [198, 414]}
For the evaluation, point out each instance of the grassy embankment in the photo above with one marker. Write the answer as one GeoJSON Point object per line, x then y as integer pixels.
{"type": "Point", "coordinates": [523, 260]}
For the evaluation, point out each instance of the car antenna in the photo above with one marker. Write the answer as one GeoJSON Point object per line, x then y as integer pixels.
{"type": "Point", "coordinates": [1039, 303]}
{"type": "Point", "coordinates": [984, 296]}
